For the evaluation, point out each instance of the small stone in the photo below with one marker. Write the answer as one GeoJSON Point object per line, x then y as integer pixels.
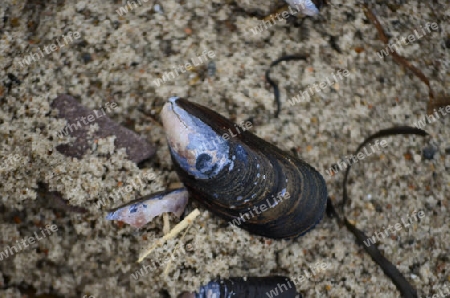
{"type": "Point", "coordinates": [15, 22]}
{"type": "Point", "coordinates": [116, 24]}
{"type": "Point", "coordinates": [158, 8]}
{"type": "Point", "coordinates": [138, 149]}
{"type": "Point", "coordinates": [417, 158]}
{"type": "Point", "coordinates": [429, 151]}
{"type": "Point", "coordinates": [447, 43]}
{"type": "Point", "coordinates": [86, 57]}
{"type": "Point", "coordinates": [188, 31]}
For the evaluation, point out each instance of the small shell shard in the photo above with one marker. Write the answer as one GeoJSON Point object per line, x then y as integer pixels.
{"type": "Point", "coordinates": [141, 211]}
{"type": "Point", "coordinates": [306, 7]}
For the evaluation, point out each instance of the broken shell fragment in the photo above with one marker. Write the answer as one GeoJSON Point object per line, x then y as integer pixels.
{"type": "Point", "coordinates": [307, 7]}
{"type": "Point", "coordinates": [139, 212]}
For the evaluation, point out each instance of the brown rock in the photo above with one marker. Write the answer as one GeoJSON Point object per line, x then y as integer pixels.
{"type": "Point", "coordinates": [79, 120]}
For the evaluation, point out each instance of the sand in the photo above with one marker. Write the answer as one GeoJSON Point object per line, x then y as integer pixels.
{"type": "Point", "coordinates": [118, 58]}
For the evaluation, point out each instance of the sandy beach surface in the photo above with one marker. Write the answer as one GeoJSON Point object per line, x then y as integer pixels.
{"type": "Point", "coordinates": [99, 53]}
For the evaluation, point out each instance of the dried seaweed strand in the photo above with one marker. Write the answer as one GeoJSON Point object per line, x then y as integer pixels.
{"type": "Point", "coordinates": [397, 58]}
{"type": "Point", "coordinates": [402, 284]}
{"type": "Point", "coordinates": [276, 90]}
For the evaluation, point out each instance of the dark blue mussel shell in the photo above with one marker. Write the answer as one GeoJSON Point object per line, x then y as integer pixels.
{"type": "Point", "coordinates": [240, 177]}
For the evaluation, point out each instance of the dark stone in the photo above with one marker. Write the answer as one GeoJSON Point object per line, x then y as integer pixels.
{"type": "Point", "coordinates": [86, 57]}
{"type": "Point", "coordinates": [429, 151]}
{"type": "Point", "coordinates": [137, 148]}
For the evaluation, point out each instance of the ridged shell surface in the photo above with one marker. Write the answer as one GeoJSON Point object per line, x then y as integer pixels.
{"type": "Point", "coordinates": [306, 7]}
{"type": "Point", "coordinates": [239, 176]}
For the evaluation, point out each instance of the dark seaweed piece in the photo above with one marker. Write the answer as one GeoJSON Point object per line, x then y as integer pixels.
{"type": "Point", "coordinates": [12, 80]}
{"type": "Point", "coordinates": [405, 288]}
{"type": "Point", "coordinates": [333, 43]}
{"type": "Point", "coordinates": [276, 91]}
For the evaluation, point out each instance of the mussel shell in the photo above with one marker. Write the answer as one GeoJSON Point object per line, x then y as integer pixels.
{"type": "Point", "coordinates": [307, 7]}
{"type": "Point", "coordinates": [249, 287]}
{"type": "Point", "coordinates": [236, 177]}
{"type": "Point", "coordinates": [319, 3]}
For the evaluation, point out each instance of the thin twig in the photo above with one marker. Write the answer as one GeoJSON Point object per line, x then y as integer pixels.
{"type": "Point", "coordinates": [186, 222]}
{"type": "Point", "coordinates": [166, 271]}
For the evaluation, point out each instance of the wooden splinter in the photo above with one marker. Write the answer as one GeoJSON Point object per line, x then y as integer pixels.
{"type": "Point", "coordinates": [186, 222]}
